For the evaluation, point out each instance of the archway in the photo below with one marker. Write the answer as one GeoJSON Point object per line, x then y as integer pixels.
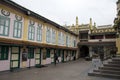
{"type": "Point", "coordinates": [84, 51]}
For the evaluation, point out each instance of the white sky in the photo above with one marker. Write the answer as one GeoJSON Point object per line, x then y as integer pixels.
{"type": "Point", "coordinates": [64, 12]}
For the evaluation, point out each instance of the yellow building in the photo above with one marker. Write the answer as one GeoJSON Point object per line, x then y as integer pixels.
{"type": "Point", "coordinates": [94, 39]}
{"type": "Point", "coordinates": [28, 39]}
{"type": "Point", "coordinates": [117, 27]}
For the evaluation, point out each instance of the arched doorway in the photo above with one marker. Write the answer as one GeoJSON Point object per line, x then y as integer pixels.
{"type": "Point", "coordinates": [84, 51]}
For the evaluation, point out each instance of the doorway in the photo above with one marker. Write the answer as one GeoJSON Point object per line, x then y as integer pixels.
{"type": "Point", "coordinates": [15, 58]}
{"type": "Point", "coordinates": [84, 51]}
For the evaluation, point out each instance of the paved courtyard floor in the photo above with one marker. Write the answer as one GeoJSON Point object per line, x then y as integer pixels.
{"type": "Point", "coordinates": [74, 70]}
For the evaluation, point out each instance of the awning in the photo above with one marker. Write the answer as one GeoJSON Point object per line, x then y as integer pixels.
{"type": "Point", "coordinates": [13, 42]}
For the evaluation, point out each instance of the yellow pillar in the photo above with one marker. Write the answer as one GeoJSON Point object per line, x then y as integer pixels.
{"type": "Point", "coordinates": [118, 45]}
{"type": "Point", "coordinates": [91, 27]}
{"type": "Point", "coordinates": [57, 37]}
{"type": "Point", "coordinates": [44, 35]}
{"type": "Point", "coordinates": [25, 31]}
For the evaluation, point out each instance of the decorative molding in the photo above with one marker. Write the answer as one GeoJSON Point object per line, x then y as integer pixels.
{"type": "Point", "coordinates": [19, 18]}
{"type": "Point", "coordinates": [32, 22]}
{"type": "Point", "coordinates": [5, 13]}
{"type": "Point", "coordinates": [40, 25]}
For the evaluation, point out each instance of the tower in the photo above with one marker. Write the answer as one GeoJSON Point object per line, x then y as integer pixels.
{"type": "Point", "coordinates": [76, 21]}
{"type": "Point", "coordinates": [91, 27]}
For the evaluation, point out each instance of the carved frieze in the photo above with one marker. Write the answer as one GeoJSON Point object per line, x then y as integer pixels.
{"type": "Point", "coordinates": [5, 13]}
{"type": "Point", "coordinates": [32, 22]}
{"type": "Point", "coordinates": [18, 18]}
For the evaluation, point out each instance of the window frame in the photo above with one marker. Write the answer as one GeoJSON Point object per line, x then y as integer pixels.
{"type": "Point", "coordinates": [48, 35]}
{"type": "Point", "coordinates": [4, 25]}
{"type": "Point", "coordinates": [4, 52]}
{"type": "Point", "coordinates": [32, 32]}
{"type": "Point", "coordinates": [18, 23]}
{"type": "Point", "coordinates": [53, 36]}
{"type": "Point", "coordinates": [39, 33]}
{"type": "Point", "coordinates": [30, 53]}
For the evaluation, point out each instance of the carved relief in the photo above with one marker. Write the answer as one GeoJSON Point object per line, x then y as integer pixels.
{"type": "Point", "coordinates": [40, 25]}
{"type": "Point", "coordinates": [19, 18]}
{"type": "Point", "coordinates": [32, 22]}
{"type": "Point", "coordinates": [5, 13]}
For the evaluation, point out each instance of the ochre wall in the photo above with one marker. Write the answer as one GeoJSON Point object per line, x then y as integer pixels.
{"type": "Point", "coordinates": [118, 45]}
{"type": "Point", "coordinates": [26, 24]}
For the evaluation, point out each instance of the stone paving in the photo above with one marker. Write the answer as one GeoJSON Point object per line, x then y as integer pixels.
{"type": "Point", "coordinates": [74, 70]}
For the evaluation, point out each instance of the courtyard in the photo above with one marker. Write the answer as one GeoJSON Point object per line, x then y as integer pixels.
{"type": "Point", "coordinates": [74, 70]}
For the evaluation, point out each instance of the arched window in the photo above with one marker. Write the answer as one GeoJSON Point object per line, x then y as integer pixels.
{"type": "Point", "coordinates": [53, 36]}
{"type": "Point", "coordinates": [48, 35]}
{"type": "Point", "coordinates": [31, 32]}
{"type": "Point", "coordinates": [39, 33]}
{"type": "Point", "coordinates": [4, 25]}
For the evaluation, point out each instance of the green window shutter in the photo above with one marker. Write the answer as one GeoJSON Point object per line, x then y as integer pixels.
{"type": "Point", "coordinates": [4, 52]}
{"type": "Point", "coordinates": [30, 53]}
{"type": "Point", "coordinates": [4, 26]}
{"type": "Point", "coordinates": [72, 53]}
{"type": "Point", "coordinates": [0, 53]}
{"type": "Point", "coordinates": [48, 53]}
{"type": "Point", "coordinates": [59, 53]}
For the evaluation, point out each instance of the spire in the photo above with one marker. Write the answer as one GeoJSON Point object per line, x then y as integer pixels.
{"type": "Point", "coordinates": [91, 27]}
{"type": "Point", "coordinates": [94, 26]}
{"type": "Point", "coordinates": [76, 21]}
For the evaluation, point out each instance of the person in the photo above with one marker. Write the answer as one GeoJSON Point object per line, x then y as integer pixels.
{"type": "Point", "coordinates": [74, 58]}
{"type": "Point", "coordinates": [56, 58]}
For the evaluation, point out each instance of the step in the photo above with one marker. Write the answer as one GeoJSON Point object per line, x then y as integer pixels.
{"type": "Point", "coordinates": [108, 71]}
{"type": "Point", "coordinates": [98, 74]}
{"type": "Point", "coordinates": [111, 65]}
{"type": "Point", "coordinates": [114, 62]}
{"type": "Point", "coordinates": [117, 56]}
{"type": "Point", "coordinates": [116, 59]}
{"type": "Point", "coordinates": [109, 68]}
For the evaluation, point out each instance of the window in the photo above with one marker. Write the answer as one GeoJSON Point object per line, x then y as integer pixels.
{"type": "Point", "coordinates": [69, 41]}
{"type": "Point", "coordinates": [74, 43]}
{"type": "Point", "coordinates": [30, 53]}
{"type": "Point", "coordinates": [17, 29]}
{"type": "Point", "coordinates": [4, 25]}
{"type": "Point", "coordinates": [39, 33]}
{"type": "Point", "coordinates": [31, 32]}
{"type": "Point", "coordinates": [4, 53]}
{"type": "Point", "coordinates": [66, 40]}
{"type": "Point", "coordinates": [58, 53]}
{"type": "Point", "coordinates": [60, 38]}
{"type": "Point", "coordinates": [48, 35]}
{"type": "Point", "coordinates": [53, 36]}
{"type": "Point", "coordinates": [48, 53]}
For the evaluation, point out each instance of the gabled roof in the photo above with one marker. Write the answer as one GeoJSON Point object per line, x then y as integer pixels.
{"type": "Point", "coordinates": [33, 14]}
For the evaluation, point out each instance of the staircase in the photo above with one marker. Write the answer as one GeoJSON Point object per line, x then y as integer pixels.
{"type": "Point", "coordinates": [110, 70]}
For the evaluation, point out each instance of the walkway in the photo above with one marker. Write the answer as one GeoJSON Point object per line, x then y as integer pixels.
{"type": "Point", "coordinates": [74, 70]}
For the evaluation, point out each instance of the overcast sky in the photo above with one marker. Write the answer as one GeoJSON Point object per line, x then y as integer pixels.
{"type": "Point", "coordinates": [64, 12]}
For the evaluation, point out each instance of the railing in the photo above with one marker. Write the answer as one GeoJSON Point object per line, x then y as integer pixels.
{"type": "Point", "coordinates": [102, 40]}
{"type": "Point", "coordinates": [83, 40]}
